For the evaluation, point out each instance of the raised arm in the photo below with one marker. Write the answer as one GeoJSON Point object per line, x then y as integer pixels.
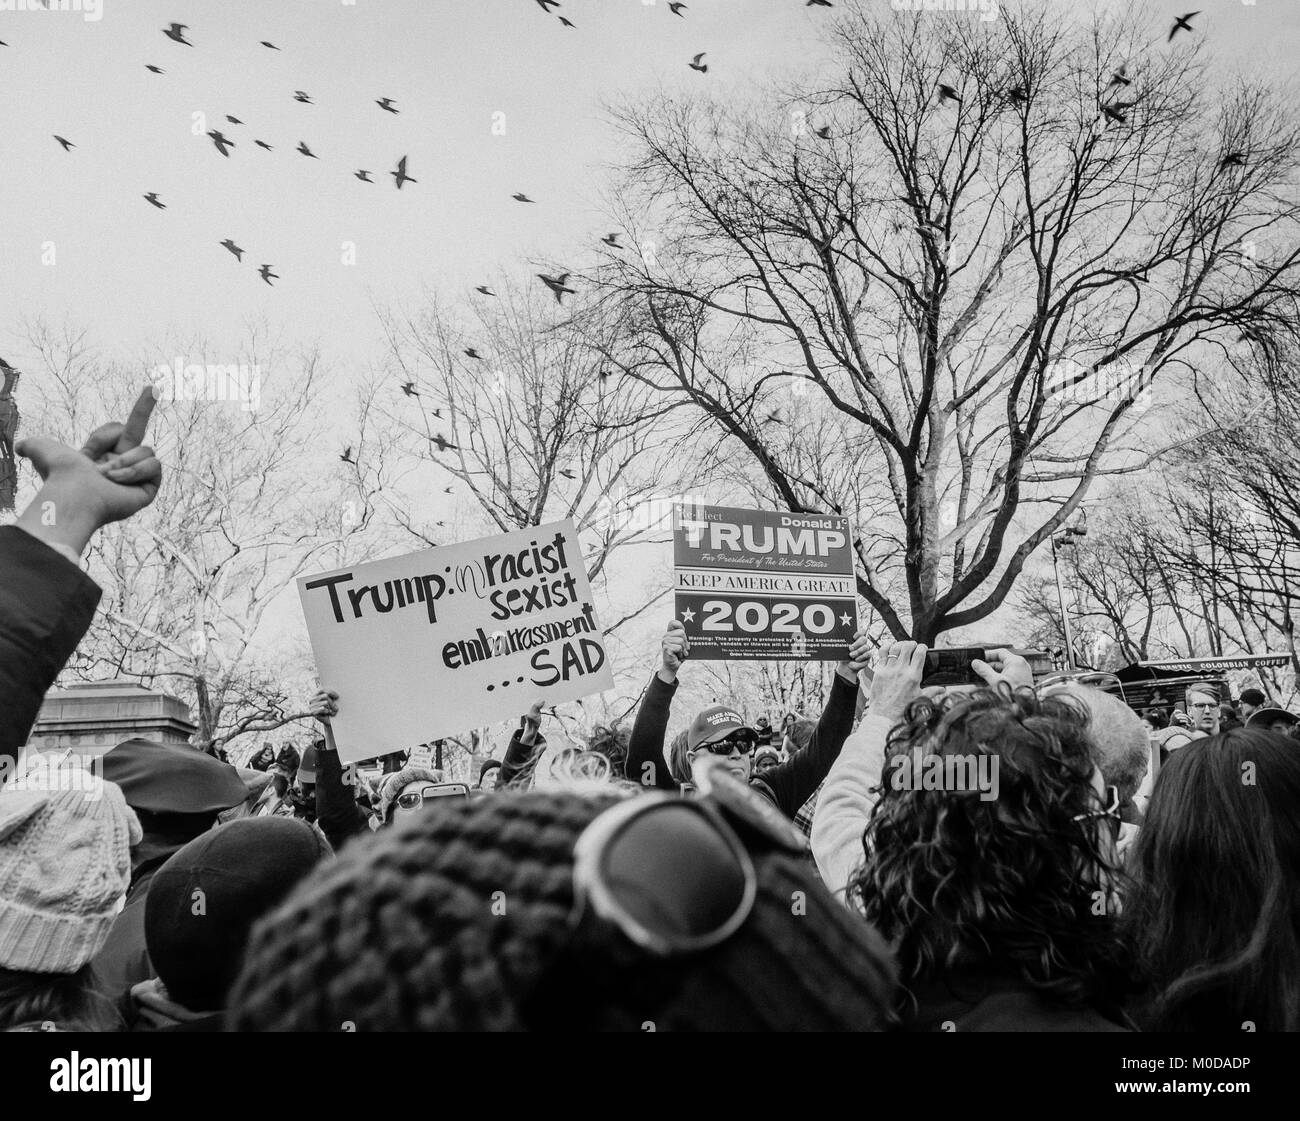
{"type": "Point", "coordinates": [645, 750]}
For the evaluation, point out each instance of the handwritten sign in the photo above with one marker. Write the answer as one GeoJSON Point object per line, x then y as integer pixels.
{"type": "Point", "coordinates": [426, 645]}
{"type": "Point", "coordinates": [761, 584]}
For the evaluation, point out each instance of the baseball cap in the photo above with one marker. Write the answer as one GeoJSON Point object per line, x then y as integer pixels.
{"type": "Point", "coordinates": [714, 723]}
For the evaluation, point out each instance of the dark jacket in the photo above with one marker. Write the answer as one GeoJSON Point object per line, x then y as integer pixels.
{"type": "Point", "coordinates": [788, 786]}
{"type": "Point", "coordinates": [46, 606]}
{"type": "Point", "coordinates": [337, 812]}
{"type": "Point", "coordinates": [520, 759]}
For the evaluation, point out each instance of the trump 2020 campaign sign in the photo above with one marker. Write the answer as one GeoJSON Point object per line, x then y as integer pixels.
{"type": "Point", "coordinates": [427, 645]}
{"type": "Point", "coordinates": [764, 584]}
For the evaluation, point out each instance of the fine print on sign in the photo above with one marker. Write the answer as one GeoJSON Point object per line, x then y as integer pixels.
{"type": "Point", "coordinates": [426, 645]}
{"type": "Point", "coordinates": [764, 584]}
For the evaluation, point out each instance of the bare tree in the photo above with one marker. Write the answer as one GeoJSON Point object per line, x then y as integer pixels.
{"type": "Point", "coordinates": [948, 289]}
{"type": "Point", "coordinates": [247, 505]}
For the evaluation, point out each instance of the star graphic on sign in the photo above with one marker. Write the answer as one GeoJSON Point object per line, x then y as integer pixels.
{"type": "Point", "coordinates": [845, 619]}
{"type": "Point", "coordinates": [688, 615]}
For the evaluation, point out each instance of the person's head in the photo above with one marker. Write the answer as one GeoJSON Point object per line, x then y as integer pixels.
{"type": "Point", "coordinates": [488, 774]}
{"type": "Point", "coordinates": [203, 902]}
{"type": "Point", "coordinates": [1156, 719]}
{"type": "Point", "coordinates": [763, 723]}
{"type": "Point", "coordinates": [65, 865]}
{"type": "Point", "coordinates": [1251, 700]}
{"type": "Point", "coordinates": [721, 731]}
{"type": "Point", "coordinates": [798, 735]}
{"type": "Point", "coordinates": [281, 780]}
{"type": "Point", "coordinates": [600, 896]}
{"type": "Point", "coordinates": [1122, 740]}
{"type": "Point", "coordinates": [1203, 708]}
{"type": "Point", "coordinates": [1272, 720]}
{"type": "Point", "coordinates": [787, 722]}
{"type": "Point", "coordinates": [1215, 899]}
{"type": "Point", "coordinates": [267, 753]}
{"type": "Point", "coordinates": [1009, 864]}
{"type": "Point", "coordinates": [612, 743]}
{"type": "Point", "coordinates": [402, 793]}
{"type": "Point", "coordinates": [765, 758]}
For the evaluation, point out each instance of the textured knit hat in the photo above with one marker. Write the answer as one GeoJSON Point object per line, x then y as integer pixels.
{"type": "Point", "coordinates": [204, 900]}
{"type": "Point", "coordinates": [462, 921]}
{"type": "Point", "coordinates": [65, 865]}
{"type": "Point", "coordinates": [391, 786]}
{"type": "Point", "coordinates": [172, 778]}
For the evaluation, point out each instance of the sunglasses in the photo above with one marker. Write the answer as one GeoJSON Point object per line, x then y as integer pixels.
{"type": "Point", "coordinates": [744, 740]}
{"type": "Point", "coordinates": [673, 874]}
{"type": "Point", "coordinates": [413, 799]}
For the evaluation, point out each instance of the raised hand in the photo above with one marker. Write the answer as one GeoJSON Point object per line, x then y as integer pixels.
{"type": "Point", "coordinates": [1003, 665]}
{"type": "Point", "coordinates": [323, 705]}
{"type": "Point", "coordinates": [114, 475]}
{"type": "Point", "coordinates": [675, 648]}
{"type": "Point", "coordinates": [897, 681]}
{"type": "Point", "coordinates": [859, 656]}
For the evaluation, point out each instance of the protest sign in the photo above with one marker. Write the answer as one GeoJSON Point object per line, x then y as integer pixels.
{"type": "Point", "coordinates": [426, 645]}
{"type": "Point", "coordinates": [764, 584]}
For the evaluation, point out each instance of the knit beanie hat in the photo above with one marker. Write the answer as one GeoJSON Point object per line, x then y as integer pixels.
{"type": "Point", "coordinates": [391, 786]}
{"type": "Point", "coordinates": [204, 900]}
{"type": "Point", "coordinates": [65, 865]}
{"type": "Point", "coordinates": [462, 921]}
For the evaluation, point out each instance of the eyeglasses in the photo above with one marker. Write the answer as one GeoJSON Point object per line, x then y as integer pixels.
{"type": "Point", "coordinates": [743, 739]}
{"type": "Point", "coordinates": [673, 874]}
{"type": "Point", "coordinates": [413, 799]}
{"type": "Point", "coordinates": [1109, 810]}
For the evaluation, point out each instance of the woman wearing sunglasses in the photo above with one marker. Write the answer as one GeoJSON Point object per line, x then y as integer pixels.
{"type": "Point", "coordinates": [721, 731]}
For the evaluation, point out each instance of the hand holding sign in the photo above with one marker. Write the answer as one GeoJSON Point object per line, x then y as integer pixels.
{"type": "Point", "coordinates": [113, 476]}
{"type": "Point", "coordinates": [859, 656]}
{"type": "Point", "coordinates": [674, 649]}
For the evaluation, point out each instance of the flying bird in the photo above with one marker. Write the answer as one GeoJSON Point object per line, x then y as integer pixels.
{"type": "Point", "coordinates": [470, 352]}
{"type": "Point", "coordinates": [696, 64]}
{"type": "Point", "coordinates": [547, 5]}
{"type": "Point", "coordinates": [399, 174]}
{"type": "Point", "coordinates": [386, 103]}
{"type": "Point", "coordinates": [305, 98]}
{"type": "Point", "coordinates": [947, 93]}
{"type": "Point", "coordinates": [443, 444]}
{"type": "Point", "coordinates": [612, 241]}
{"type": "Point", "coordinates": [222, 144]}
{"type": "Point", "coordinates": [302, 147]}
{"type": "Point", "coordinates": [233, 120]}
{"type": "Point", "coordinates": [67, 144]}
{"type": "Point", "coordinates": [176, 32]}
{"type": "Point", "coordinates": [676, 9]}
{"type": "Point", "coordinates": [446, 490]}
{"type": "Point", "coordinates": [824, 132]}
{"type": "Point", "coordinates": [154, 69]}
{"type": "Point", "coordinates": [819, 4]}
{"type": "Point", "coordinates": [363, 175]}
{"type": "Point", "coordinates": [267, 275]}
{"type": "Point", "coordinates": [263, 144]}
{"type": "Point", "coordinates": [484, 290]}
{"type": "Point", "coordinates": [347, 455]}
{"type": "Point", "coordinates": [152, 199]}
{"type": "Point", "coordinates": [1182, 23]}
{"type": "Point", "coordinates": [1115, 111]}
{"type": "Point", "coordinates": [409, 389]}
{"type": "Point", "coordinates": [521, 197]}
{"type": "Point", "coordinates": [556, 284]}
{"type": "Point", "coordinates": [1120, 78]}
{"type": "Point", "coordinates": [270, 46]}
{"type": "Point", "coordinates": [567, 22]}
{"type": "Point", "coordinates": [438, 414]}
{"type": "Point", "coordinates": [239, 253]}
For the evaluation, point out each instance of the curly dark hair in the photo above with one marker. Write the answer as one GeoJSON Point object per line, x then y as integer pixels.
{"type": "Point", "coordinates": [611, 742]}
{"type": "Point", "coordinates": [1011, 885]}
{"type": "Point", "coordinates": [1215, 906]}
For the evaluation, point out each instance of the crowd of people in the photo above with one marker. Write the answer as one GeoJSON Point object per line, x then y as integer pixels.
{"type": "Point", "coordinates": [927, 855]}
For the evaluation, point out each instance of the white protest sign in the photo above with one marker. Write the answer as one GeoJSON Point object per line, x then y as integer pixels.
{"type": "Point", "coordinates": [426, 645]}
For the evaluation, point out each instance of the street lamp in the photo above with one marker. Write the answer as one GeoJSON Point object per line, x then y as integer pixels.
{"type": "Point", "coordinates": [1060, 541]}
